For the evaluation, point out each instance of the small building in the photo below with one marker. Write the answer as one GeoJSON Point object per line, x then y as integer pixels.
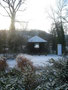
{"type": "Point", "coordinates": [37, 45]}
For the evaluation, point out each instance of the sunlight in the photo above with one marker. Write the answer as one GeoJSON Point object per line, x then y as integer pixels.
{"type": "Point", "coordinates": [4, 22]}
{"type": "Point", "coordinates": [36, 16]}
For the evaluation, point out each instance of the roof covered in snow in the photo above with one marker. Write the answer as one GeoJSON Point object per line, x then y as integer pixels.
{"type": "Point", "coordinates": [36, 39]}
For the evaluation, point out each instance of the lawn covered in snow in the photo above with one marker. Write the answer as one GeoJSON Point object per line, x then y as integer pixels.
{"type": "Point", "coordinates": [38, 60]}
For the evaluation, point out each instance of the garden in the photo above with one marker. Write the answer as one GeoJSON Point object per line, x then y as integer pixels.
{"type": "Point", "coordinates": [26, 76]}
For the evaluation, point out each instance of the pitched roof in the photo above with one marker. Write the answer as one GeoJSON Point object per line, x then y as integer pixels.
{"type": "Point", "coordinates": [36, 39]}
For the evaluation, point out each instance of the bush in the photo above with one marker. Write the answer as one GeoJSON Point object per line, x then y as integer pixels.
{"type": "Point", "coordinates": [3, 64]}
{"type": "Point", "coordinates": [55, 76]}
{"type": "Point", "coordinates": [17, 80]}
{"type": "Point", "coordinates": [52, 77]}
{"type": "Point", "coordinates": [26, 67]}
{"type": "Point", "coordinates": [12, 80]}
{"type": "Point", "coordinates": [24, 64]}
{"type": "Point", "coordinates": [21, 78]}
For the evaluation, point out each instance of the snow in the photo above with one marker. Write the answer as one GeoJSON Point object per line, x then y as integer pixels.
{"type": "Point", "coordinates": [38, 60]}
{"type": "Point", "coordinates": [11, 63]}
{"type": "Point", "coordinates": [41, 60]}
{"type": "Point", "coordinates": [36, 39]}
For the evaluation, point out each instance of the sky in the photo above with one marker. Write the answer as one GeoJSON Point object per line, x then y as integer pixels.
{"type": "Point", "coordinates": [36, 16]}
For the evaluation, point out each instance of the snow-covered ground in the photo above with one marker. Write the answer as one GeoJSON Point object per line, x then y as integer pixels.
{"type": "Point", "coordinates": [38, 60]}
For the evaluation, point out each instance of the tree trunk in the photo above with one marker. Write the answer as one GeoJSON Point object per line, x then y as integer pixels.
{"type": "Point", "coordinates": [12, 25]}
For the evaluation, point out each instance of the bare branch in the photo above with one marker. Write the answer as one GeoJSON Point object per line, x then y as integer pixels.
{"type": "Point", "coordinates": [22, 10]}
{"type": "Point", "coordinates": [4, 15]}
{"type": "Point", "coordinates": [12, 7]}
{"type": "Point", "coordinates": [52, 14]}
{"type": "Point", "coordinates": [14, 1]}
{"type": "Point", "coordinates": [5, 10]}
{"type": "Point", "coordinates": [21, 21]}
{"type": "Point", "coordinates": [9, 6]}
{"type": "Point", "coordinates": [19, 4]}
{"type": "Point", "coordinates": [65, 19]}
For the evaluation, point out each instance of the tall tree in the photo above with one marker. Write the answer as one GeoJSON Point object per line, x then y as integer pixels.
{"type": "Point", "coordinates": [11, 7]}
{"type": "Point", "coordinates": [58, 21]}
{"type": "Point", "coordinates": [60, 34]}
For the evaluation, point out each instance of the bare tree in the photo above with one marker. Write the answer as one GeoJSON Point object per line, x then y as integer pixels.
{"type": "Point", "coordinates": [61, 11]}
{"type": "Point", "coordinates": [11, 7]}
{"type": "Point", "coordinates": [58, 16]}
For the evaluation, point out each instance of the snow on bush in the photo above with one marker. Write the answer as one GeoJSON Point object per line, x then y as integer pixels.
{"type": "Point", "coordinates": [26, 67]}
{"type": "Point", "coordinates": [3, 63]}
{"type": "Point", "coordinates": [24, 77]}
{"type": "Point", "coordinates": [24, 64]}
{"type": "Point", "coordinates": [12, 80]}
{"type": "Point", "coordinates": [55, 77]}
